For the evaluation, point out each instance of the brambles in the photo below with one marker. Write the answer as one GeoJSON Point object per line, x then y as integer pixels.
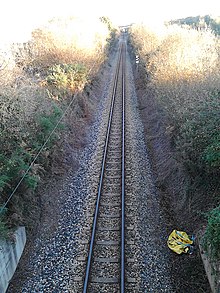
{"type": "Point", "coordinates": [68, 41]}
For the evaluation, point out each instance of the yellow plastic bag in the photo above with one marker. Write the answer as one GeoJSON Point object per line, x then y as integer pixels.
{"type": "Point", "coordinates": [179, 242]}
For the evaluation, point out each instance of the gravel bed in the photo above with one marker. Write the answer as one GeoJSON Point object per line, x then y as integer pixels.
{"type": "Point", "coordinates": [114, 288]}
{"type": "Point", "coordinates": [153, 253]}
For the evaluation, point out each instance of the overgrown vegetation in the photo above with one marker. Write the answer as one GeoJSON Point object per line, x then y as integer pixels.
{"type": "Point", "coordinates": [112, 30]}
{"type": "Point", "coordinates": [37, 81]}
{"type": "Point", "coordinates": [211, 240]}
{"type": "Point", "coordinates": [3, 227]}
{"type": "Point", "coordinates": [64, 78]}
{"type": "Point", "coordinates": [182, 66]}
{"type": "Point", "coordinates": [200, 22]}
{"type": "Point", "coordinates": [184, 69]}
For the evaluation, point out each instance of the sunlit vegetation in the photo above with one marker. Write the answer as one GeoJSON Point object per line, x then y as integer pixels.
{"type": "Point", "coordinates": [200, 22]}
{"type": "Point", "coordinates": [182, 65]}
{"type": "Point", "coordinates": [37, 81]}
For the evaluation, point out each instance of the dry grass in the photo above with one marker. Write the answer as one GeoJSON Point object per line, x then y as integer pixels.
{"type": "Point", "coordinates": [69, 41]}
{"type": "Point", "coordinates": [184, 71]}
{"type": "Point", "coordinates": [183, 62]}
{"type": "Point", "coordinates": [33, 94]}
{"type": "Point", "coordinates": [24, 67]}
{"type": "Point", "coordinates": [182, 66]}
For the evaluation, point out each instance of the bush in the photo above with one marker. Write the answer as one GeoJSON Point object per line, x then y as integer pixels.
{"type": "Point", "coordinates": [13, 165]}
{"type": "Point", "coordinates": [198, 138]}
{"type": "Point", "coordinates": [3, 179]}
{"type": "Point", "coordinates": [211, 239]}
{"type": "Point", "coordinates": [4, 230]}
{"type": "Point", "coordinates": [112, 31]}
{"type": "Point", "coordinates": [64, 78]}
{"type": "Point", "coordinates": [212, 153]}
{"type": "Point", "coordinates": [45, 125]}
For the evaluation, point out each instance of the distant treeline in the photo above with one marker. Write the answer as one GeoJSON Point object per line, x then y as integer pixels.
{"type": "Point", "coordinates": [200, 22]}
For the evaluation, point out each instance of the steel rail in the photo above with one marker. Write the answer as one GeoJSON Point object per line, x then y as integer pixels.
{"type": "Point", "coordinates": [123, 176]}
{"type": "Point", "coordinates": [90, 254]}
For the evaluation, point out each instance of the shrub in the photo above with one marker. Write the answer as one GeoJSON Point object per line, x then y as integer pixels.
{"type": "Point", "coordinates": [200, 22]}
{"type": "Point", "coordinates": [45, 125]}
{"type": "Point", "coordinates": [14, 164]}
{"type": "Point", "coordinates": [4, 230]}
{"type": "Point", "coordinates": [198, 138]}
{"type": "Point", "coordinates": [64, 78]}
{"type": "Point", "coordinates": [212, 153]}
{"type": "Point", "coordinates": [211, 239]}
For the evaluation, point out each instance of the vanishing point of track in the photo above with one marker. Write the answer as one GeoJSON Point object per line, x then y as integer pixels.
{"type": "Point", "coordinates": [105, 268]}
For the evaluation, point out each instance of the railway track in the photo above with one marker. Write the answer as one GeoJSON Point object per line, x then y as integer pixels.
{"type": "Point", "coordinates": [105, 268]}
{"type": "Point", "coordinates": [106, 261]}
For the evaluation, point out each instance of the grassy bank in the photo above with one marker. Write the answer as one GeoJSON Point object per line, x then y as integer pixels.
{"type": "Point", "coordinates": [182, 68]}
{"type": "Point", "coordinates": [38, 80]}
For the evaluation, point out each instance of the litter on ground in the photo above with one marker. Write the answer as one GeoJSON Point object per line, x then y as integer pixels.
{"type": "Point", "coordinates": [180, 242]}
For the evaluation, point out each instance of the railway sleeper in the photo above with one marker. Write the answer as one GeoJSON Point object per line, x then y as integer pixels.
{"type": "Point", "coordinates": [105, 280]}
{"type": "Point", "coordinates": [107, 242]}
{"type": "Point", "coordinates": [112, 216]}
{"type": "Point", "coordinates": [107, 259]}
{"type": "Point", "coordinates": [110, 204]}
